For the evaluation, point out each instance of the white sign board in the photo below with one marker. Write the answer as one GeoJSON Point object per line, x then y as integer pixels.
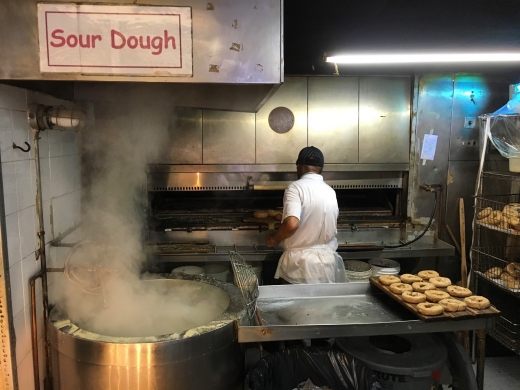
{"type": "Point", "coordinates": [428, 147]}
{"type": "Point", "coordinates": [115, 40]}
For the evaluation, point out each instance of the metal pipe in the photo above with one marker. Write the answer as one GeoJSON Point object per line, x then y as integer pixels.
{"type": "Point", "coordinates": [34, 325]}
{"type": "Point", "coordinates": [34, 330]}
{"type": "Point", "coordinates": [61, 237]}
{"type": "Point", "coordinates": [43, 260]}
{"type": "Point", "coordinates": [60, 244]}
{"type": "Point", "coordinates": [481, 352]}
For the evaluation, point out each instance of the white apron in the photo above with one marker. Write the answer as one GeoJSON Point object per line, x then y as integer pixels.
{"type": "Point", "coordinates": [311, 265]}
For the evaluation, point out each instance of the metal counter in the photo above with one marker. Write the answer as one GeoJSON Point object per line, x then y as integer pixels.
{"type": "Point", "coordinates": [420, 248]}
{"type": "Point", "coordinates": [339, 310]}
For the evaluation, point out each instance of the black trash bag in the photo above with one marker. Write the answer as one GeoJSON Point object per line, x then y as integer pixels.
{"type": "Point", "coordinates": [286, 369]}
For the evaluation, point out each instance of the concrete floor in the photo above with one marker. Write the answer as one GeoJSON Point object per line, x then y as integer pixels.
{"type": "Point", "coordinates": [502, 373]}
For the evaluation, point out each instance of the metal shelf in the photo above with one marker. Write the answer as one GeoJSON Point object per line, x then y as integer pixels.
{"type": "Point", "coordinates": [495, 191]}
{"type": "Point", "coordinates": [507, 333]}
{"type": "Point", "coordinates": [511, 176]}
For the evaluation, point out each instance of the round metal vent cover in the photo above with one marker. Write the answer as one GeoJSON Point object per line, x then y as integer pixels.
{"type": "Point", "coordinates": [281, 120]}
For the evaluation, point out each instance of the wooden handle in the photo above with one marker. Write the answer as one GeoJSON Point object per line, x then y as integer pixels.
{"type": "Point", "coordinates": [463, 266]}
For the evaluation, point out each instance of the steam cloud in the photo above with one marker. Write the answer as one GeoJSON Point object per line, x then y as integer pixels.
{"type": "Point", "coordinates": [116, 150]}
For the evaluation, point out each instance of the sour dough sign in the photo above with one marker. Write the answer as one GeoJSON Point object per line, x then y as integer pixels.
{"type": "Point", "coordinates": [128, 40]}
{"type": "Point", "coordinates": [117, 41]}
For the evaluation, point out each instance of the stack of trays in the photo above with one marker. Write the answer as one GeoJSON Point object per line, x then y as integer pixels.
{"type": "Point", "coordinates": [382, 267]}
{"type": "Point", "coordinates": [357, 270]}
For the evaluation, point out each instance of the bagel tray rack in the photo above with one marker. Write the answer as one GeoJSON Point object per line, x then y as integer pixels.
{"type": "Point", "coordinates": [446, 316]}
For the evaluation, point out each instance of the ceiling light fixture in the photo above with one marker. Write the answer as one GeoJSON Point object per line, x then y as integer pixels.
{"type": "Point", "coordinates": [423, 58]}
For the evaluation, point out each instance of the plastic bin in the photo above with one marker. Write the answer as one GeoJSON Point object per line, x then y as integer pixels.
{"type": "Point", "coordinates": [288, 368]}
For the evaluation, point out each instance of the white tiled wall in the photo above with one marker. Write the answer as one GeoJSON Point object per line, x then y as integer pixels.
{"type": "Point", "coordinates": [60, 172]}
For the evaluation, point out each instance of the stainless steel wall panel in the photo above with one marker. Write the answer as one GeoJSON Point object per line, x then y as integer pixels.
{"type": "Point", "coordinates": [333, 117]}
{"type": "Point", "coordinates": [367, 168]}
{"type": "Point", "coordinates": [462, 177]}
{"type": "Point", "coordinates": [257, 35]}
{"type": "Point", "coordinates": [435, 99]}
{"type": "Point", "coordinates": [473, 95]}
{"type": "Point", "coordinates": [228, 137]}
{"type": "Point", "coordinates": [384, 119]}
{"type": "Point", "coordinates": [275, 148]}
{"type": "Point", "coordinates": [215, 181]}
{"type": "Point", "coordinates": [185, 137]}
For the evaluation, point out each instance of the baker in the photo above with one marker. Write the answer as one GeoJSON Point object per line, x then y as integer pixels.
{"type": "Point", "coordinates": [309, 226]}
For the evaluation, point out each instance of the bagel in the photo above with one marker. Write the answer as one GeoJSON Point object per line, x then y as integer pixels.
{"type": "Point", "coordinates": [426, 275]}
{"type": "Point", "coordinates": [477, 302]}
{"type": "Point", "coordinates": [387, 280]}
{"type": "Point", "coordinates": [272, 213]}
{"type": "Point", "coordinates": [497, 216]}
{"type": "Point", "coordinates": [409, 278]}
{"type": "Point", "coordinates": [413, 297]}
{"type": "Point", "coordinates": [503, 225]}
{"type": "Point", "coordinates": [493, 273]}
{"type": "Point", "coordinates": [452, 304]}
{"type": "Point", "coordinates": [513, 284]}
{"type": "Point", "coordinates": [430, 309]}
{"type": "Point", "coordinates": [278, 217]}
{"type": "Point", "coordinates": [422, 286]}
{"type": "Point", "coordinates": [399, 288]}
{"type": "Point", "coordinates": [506, 277]}
{"type": "Point", "coordinates": [489, 220]}
{"type": "Point", "coordinates": [484, 213]}
{"type": "Point", "coordinates": [260, 214]}
{"type": "Point", "coordinates": [514, 220]}
{"type": "Point", "coordinates": [511, 210]}
{"type": "Point", "coordinates": [513, 269]}
{"type": "Point", "coordinates": [440, 281]}
{"type": "Point", "coordinates": [459, 292]}
{"type": "Point", "coordinates": [436, 295]}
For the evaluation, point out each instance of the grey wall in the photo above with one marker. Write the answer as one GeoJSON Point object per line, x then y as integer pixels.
{"type": "Point", "coordinates": [355, 121]}
{"type": "Point", "coordinates": [444, 105]}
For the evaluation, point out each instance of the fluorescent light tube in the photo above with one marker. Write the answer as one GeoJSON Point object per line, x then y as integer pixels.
{"type": "Point", "coordinates": [423, 58]}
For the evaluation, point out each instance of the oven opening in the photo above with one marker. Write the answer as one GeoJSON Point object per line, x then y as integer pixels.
{"type": "Point", "coordinates": [232, 210]}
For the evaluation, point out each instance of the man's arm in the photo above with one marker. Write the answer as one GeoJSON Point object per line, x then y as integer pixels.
{"type": "Point", "coordinates": [286, 230]}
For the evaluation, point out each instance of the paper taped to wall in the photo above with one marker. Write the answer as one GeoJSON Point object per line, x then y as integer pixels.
{"type": "Point", "coordinates": [428, 147]}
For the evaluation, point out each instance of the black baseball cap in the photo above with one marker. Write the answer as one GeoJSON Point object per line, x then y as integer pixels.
{"type": "Point", "coordinates": [310, 156]}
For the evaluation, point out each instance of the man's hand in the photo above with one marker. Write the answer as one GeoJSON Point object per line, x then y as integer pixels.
{"type": "Point", "coordinates": [286, 230]}
{"type": "Point", "coordinates": [271, 241]}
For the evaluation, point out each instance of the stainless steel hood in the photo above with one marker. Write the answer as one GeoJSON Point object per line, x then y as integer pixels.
{"type": "Point", "coordinates": [237, 54]}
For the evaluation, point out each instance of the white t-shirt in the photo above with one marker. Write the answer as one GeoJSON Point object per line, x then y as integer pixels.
{"type": "Point", "coordinates": [309, 255]}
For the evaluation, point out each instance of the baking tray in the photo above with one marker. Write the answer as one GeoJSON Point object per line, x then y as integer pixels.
{"type": "Point", "coordinates": [307, 311]}
{"type": "Point", "coordinates": [458, 315]}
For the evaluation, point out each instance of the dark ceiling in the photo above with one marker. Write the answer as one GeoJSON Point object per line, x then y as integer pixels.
{"type": "Point", "coordinates": [314, 27]}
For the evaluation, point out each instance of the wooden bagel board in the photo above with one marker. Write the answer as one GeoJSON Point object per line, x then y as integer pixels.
{"type": "Point", "coordinates": [457, 315]}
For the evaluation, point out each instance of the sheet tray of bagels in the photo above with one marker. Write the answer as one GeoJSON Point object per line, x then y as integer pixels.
{"type": "Point", "coordinates": [433, 297]}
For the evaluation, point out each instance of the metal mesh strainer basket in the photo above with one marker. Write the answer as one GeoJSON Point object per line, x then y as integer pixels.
{"type": "Point", "coordinates": [247, 281]}
{"type": "Point", "coordinates": [85, 269]}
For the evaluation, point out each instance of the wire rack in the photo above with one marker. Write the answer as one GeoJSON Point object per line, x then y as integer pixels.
{"type": "Point", "coordinates": [247, 281]}
{"type": "Point", "coordinates": [497, 212]}
{"type": "Point", "coordinates": [490, 263]}
{"type": "Point", "coordinates": [507, 333]}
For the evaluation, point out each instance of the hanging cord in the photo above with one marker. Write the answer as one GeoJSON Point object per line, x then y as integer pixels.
{"type": "Point", "coordinates": [427, 188]}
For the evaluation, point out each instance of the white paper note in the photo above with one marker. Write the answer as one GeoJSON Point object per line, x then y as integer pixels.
{"type": "Point", "coordinates": [428, 147]}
